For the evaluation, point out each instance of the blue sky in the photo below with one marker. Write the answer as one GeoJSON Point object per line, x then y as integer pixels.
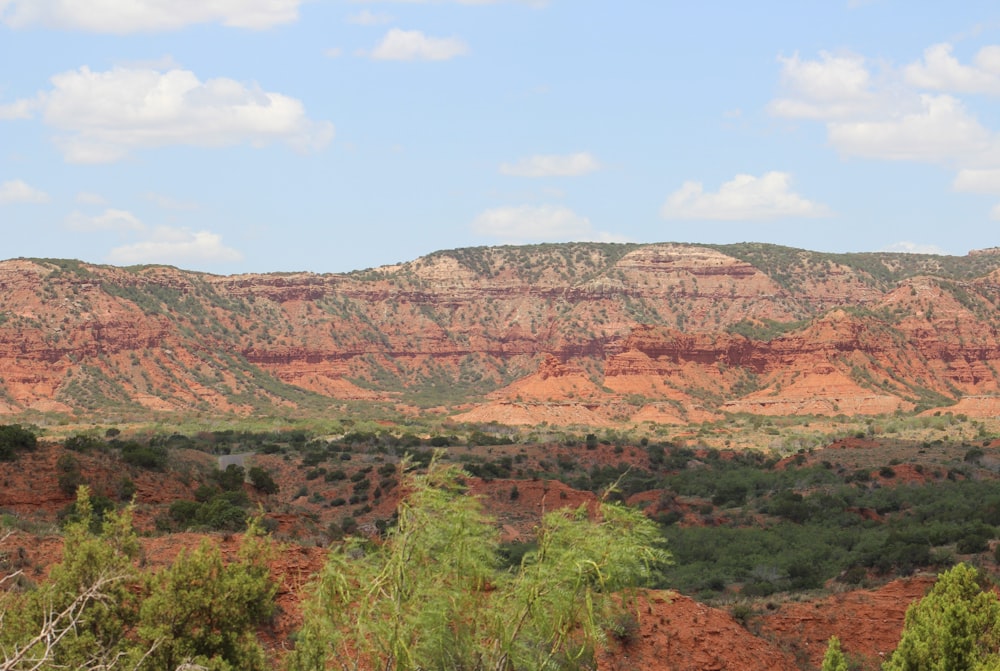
{"type": "Point", "coordinates": [331, 135]}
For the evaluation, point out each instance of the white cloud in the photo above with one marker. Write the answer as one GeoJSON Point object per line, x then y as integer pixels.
{"type": "Point", "coordinates": [176, 246]}
{"type": "Point", "coordinates": [413, 45]}
{"type": "Point", "coordinates": [88, 198]}
{"type": "Point", "coordinates": [978, 181]}
{"type": "Point", "coordinates": [571, 165]}
{"type": "Point", "coordinates": [109, 220]}
{"type": "Point", "coordinates": [366, 18]}
{"type": "Point", "coordinates": [830, 88]}
{"type": "Point", "coordinates": [17, 191]}
{"type": "Point", "coordinates": [905, 247]}
{"type": "Point", "coordinates": [995, 213]}
{"type": "Point", "coordinates": [940, 70]}
{"type": "Point", "coordinates": [940, 132]}
{"type": "Point", "coordinates": [333, 52]}
{"type": "Point", "coordinates": [537, 222]}
{"type": "Point", "coordinates": [745, 197]}
{"type": "Point", "coordinates": [132, 16]}
{"type": "Point", "coordinates": [22, 109]}
{"type": "Point", "coordinates": [107, 115]}
{"type": "Point", "coordinates": [900, 114]}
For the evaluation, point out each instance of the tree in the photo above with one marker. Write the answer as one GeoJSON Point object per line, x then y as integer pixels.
{"type": "Point", "coordinates": [78, 618]}
{"type": "Point", "coordinates": [204, 612]}
{"type": "Point", "coordinates": [431, 596]}
{"type": "Point", "coordinates": [98, 611]}
{"type": "Point", "coordinates": [834, 659]}
{"type": "Point", "coordinates": [262, 480]}
{"type": "Point", "coordinates": [13, 439]}
{"type": "Point", "coordinates": [230, 479]}
{"type": "Point", "coordinates": [956, 627]}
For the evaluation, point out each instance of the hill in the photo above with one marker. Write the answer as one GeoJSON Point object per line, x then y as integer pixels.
{"type": "Point", "coordinates": [569, 334]}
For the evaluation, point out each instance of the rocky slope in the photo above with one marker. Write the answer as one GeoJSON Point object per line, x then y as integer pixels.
{"type": "Point", "coordinates": [568, 334]}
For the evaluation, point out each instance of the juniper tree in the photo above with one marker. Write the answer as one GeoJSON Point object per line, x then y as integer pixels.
{"type": "Point", "coordinates": [956, 627]}
{"type": "Point", "coordinates": [202, 611]}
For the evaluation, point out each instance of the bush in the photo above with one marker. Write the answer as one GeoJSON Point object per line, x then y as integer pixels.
{"type": "Point", "coordinates": [126, 489]}
{"type": "Point", "coordinates": [230, 479]}
{"type": "Point", "coordinates": [262, 480]}
{"type": "Point", "coordinates": [85, 443]}
{"type": "Point", "coordinates": [977, 541]}
{"type": "Point", "coordinates": [150, 457]}
{"type": "Point", "coordinates": [184, 511]}
{"type": "Point", "coordinates": [13, 439]}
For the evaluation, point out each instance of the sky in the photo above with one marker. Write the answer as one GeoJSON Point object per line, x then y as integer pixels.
{"type": "Point", "coordinates": [233, 136]}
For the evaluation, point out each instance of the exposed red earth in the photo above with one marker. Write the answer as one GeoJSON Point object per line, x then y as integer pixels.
{"type": "Point", "coordinates": [584, 335]}
{"type": "Point", "coordinates": [564, 334]}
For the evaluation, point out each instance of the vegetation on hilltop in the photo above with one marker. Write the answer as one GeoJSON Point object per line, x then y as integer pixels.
{"type": "Point", "coordinates": [456, 326]}
{"type": "Point", "coordinates": [882, 270]}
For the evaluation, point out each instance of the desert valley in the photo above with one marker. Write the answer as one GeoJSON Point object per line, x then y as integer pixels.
{"type": "Point", "coordinates": [813, 435]}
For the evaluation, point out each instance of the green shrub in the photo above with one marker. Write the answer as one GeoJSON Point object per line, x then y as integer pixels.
{"type": "Point", "coordinates": [262, 480]}
{"type": "Point", "coordinates": [85, 443]}
{"type": "Point", "coordinates": [231, 479]}
{"type": "Point", "coordinates": [13, 439]}
{"type": "Point", "coordinates": [150, 457]}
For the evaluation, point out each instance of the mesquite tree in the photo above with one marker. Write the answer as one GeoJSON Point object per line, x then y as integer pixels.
{"type": "Point", "coordinates": [431, 595]}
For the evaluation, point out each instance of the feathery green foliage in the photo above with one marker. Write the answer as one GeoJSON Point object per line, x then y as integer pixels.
{"type": "Point", "coordinates": [432, 596]}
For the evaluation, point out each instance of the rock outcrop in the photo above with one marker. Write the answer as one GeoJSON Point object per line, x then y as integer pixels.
{"type": "Point", "coordinates": [575, 333]}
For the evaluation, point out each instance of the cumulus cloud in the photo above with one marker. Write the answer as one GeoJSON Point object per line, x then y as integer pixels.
{"type": "Point", "coordinates": [21, 109]}
{"type": "Point", "coordinates": [134, 16]}
{"type": "Point", "coordinates": [941, 131]}
{"type": "Point", "coordinates": [110, 220]}
{"type": "Point", "coordinates": [18, 191]}
{"type": "Point", "coordinates": [978, 181]}
{"type": "Point", "coordinates": [176, 246]}
{"type": "Point", "coordinates": [745, 197]}
{"type": "Point", "coordinates": [413, 45]}
{"type": "Point", "coordinates": [940, 70]}
{"type": "Point", "coordinates": [571, 165]}
{"type": "Point", "coordinates": [537, 223]}
{"type": "Point", "coordinates": [898, 113]}
{"type": "Point", "coordinates": [104, 116]}
{"type": "Point", "coordinates": [831, 87]}
{"type": "Point", "coordinates": [905, 247]}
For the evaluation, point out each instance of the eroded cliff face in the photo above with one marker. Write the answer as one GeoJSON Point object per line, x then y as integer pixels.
{"type": "Point", "coordinates": [576, 333]}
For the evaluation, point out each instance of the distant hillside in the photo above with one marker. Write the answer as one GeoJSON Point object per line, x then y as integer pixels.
{"type": "Point", "coordinates": [582, 333]}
